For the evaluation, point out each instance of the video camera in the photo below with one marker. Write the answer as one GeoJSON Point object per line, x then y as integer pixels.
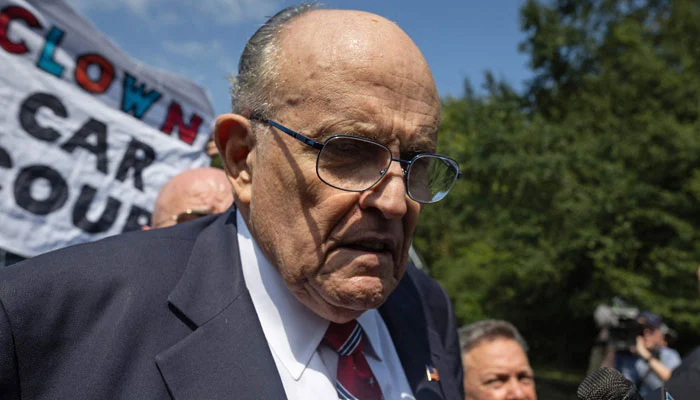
{"type": "Point", "coordinates": [622, 323]}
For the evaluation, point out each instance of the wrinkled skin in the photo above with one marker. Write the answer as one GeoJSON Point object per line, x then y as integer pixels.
{"type": "Point", "coordinates": [341, 72]}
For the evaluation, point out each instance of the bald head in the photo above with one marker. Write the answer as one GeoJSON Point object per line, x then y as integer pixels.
{"type": "Point", "coordinates": [322, 50]}
{"type": "Point", "coordinates": [333, 38]}
{"type": "Point", "coordinates": [301, 38]}
{"type": "Point", "coordinates": [202, 190]}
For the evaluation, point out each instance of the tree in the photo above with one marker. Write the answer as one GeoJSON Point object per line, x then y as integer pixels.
{"type": "Point", "coordinates": [585, 186]}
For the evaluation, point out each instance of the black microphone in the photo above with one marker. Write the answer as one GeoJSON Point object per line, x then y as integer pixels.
{"type": "Point", "coordinates": [607, 384]}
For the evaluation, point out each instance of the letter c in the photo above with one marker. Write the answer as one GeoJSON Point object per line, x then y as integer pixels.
{"type": "Point", "coordinates": [6, 16]}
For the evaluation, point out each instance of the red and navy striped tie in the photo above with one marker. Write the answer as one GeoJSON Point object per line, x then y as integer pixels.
{"type": "Point", "coordinates": [354, 378]}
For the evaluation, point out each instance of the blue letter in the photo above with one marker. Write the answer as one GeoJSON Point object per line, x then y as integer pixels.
{"type": "Point", "coordinates": [46, 61]}
{"type": "Point", "coordinates": [134, 99]}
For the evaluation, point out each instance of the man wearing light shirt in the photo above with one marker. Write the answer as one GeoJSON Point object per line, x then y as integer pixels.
{"type": "Point", "coordinates": [302, 363]}
{"type": "Point", "coordinates": [303, 289]}
{"type": "Point", "coordinates": [651, 362]}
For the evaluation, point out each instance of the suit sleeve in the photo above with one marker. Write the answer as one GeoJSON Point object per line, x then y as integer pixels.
{"type": "Point", "coordinates": [9, 379]}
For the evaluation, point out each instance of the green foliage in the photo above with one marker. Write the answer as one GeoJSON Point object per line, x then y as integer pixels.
{"type": "Point", "coordinates": [585, 186]}
{"type": "Point", "coordinates": [216, 162]}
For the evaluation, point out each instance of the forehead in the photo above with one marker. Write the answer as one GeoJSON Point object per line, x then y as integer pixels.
{"type": "Point", "coordinates": [498, 353]}
{"type": "Point", "coordinates": [356, 71]}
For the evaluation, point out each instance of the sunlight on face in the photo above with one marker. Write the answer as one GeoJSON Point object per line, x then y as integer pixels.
{"type": "Point", "coordinates": [342, 253]}
{"type": "Point", "coordinates": [498, 370]}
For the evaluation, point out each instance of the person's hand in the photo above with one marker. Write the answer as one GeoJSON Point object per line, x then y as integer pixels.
{"type": "Point", "coordinates": [641, 349]}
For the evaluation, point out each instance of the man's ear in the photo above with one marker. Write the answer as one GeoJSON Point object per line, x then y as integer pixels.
{"type": "Point", "coordinates": [234, 138]}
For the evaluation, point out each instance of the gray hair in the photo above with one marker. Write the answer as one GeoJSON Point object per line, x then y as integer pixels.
{"type": "Point", "coordinates": [488, 330]}
{"type": "Point", "coordinates": [251, 89]}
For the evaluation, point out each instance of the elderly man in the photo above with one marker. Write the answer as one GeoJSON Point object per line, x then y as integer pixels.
{"type": "Point", "coordinates": [191, 194]}
{"type": "Point", "coordinates": [495, 362]}
{"type": "Point", "coordinates": [300, 291]}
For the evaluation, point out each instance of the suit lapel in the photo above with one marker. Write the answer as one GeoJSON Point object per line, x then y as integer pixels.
{"type": "Point", "coordinates": [226, 355]}
{"type": "Point", "coordinates": [416, 343]}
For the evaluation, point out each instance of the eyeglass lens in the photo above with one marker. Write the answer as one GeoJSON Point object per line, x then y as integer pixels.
{"type": "Point", "coordinates": [430, 178]}
{"type": "Point", "coordinates": [353, 163]}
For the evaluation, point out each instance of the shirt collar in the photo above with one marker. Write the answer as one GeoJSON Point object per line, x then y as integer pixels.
{"type": "Point", "coordinates": [370, 325]}
{"type": "Point", "coordinates": [293, 331]}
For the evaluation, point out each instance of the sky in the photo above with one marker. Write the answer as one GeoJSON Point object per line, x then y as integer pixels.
{"type": "Point", "coordinates": [203, 39]}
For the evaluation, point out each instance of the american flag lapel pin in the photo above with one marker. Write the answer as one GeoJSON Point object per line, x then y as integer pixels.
{"type": "Point", "coordinates": [432, 373]}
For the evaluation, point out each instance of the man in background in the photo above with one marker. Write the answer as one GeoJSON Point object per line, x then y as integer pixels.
{"type": "Point", "coordinates": [191, 194]}
{"type": "Point", "coordinates": [496, 367]}
{"type": "Point", "coordinates": [651, 362]}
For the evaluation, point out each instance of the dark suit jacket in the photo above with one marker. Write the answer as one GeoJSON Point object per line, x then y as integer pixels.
{"type": "Point", "coordinates": [166, 314]}
{"type": "Point", "coordinates": [685, 380]}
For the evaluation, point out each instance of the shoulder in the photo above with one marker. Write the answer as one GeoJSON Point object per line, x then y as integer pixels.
{"type": "Point", "coordinates": [432, 294]}
{"type": "Point", "coordinates": [669, 357]}
{"type": "Point", "coordinates": [125, 250]}
{"type": "Point", "coordinates": [416, 291]}
{"type": "Point", "coordinates": [122, 265]}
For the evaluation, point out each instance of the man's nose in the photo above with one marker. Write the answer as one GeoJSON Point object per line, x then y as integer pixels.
{"type": "Point", "coordinates": [388, 195]}
{"type": "Point", "coordinates": [516, 391]}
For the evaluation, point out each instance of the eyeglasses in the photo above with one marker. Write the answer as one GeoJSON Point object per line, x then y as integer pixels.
{"type": "Point", "coordinates": [187, 215]}
{"type": "Point", "coordinates": [355, 164]}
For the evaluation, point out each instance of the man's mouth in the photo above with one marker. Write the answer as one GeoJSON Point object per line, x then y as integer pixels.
{"type": "Point", "coordinates": [370, 246]}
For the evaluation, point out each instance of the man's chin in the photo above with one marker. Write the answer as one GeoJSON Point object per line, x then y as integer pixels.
{"type": "Point", "coordinates": [360, 293]}
{"type": "Point", "coordinates": [344, 300]}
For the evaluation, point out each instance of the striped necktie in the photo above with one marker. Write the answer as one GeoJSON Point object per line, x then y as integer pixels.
{"type": "Point", "coordinates": [354, 378]}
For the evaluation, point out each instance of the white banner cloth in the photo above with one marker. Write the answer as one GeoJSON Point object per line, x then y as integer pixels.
{"type": "Point", "coordinates": [87, 134]}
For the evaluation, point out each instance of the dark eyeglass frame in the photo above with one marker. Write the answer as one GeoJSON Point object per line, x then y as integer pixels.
{"type": "Point", "coordinates": [405, 164]}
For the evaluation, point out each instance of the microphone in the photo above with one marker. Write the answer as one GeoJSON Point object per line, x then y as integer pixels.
{"type": "Point", "coordinates": [607, 384]}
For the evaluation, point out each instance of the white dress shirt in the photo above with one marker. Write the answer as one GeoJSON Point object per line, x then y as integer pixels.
{"type": "Point", "coordinates": [294, 333]}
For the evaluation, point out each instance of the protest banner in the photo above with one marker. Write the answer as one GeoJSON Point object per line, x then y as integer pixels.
{"type": "Point", "coordinates": [87, 134]}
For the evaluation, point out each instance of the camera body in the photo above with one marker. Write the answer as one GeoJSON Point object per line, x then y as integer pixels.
{"type": "Point", "coordinates": [624, 336]}
{"type": "Point", "coordinates": [622, 323]}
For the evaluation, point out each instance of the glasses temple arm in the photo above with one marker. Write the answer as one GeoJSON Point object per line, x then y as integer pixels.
{"type": "Point", "coordinates": [295, 135]}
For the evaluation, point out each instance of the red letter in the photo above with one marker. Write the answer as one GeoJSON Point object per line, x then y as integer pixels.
{"type": "Point", "coordinates": [188, 132]}
{"type": "Point", "coordinates": [6, 16]}
{"type": "Point", "coordinates": [106, 73]}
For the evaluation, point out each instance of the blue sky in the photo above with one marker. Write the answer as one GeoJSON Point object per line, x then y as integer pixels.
{"type": "Point", "coordinates": [202, 39]}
